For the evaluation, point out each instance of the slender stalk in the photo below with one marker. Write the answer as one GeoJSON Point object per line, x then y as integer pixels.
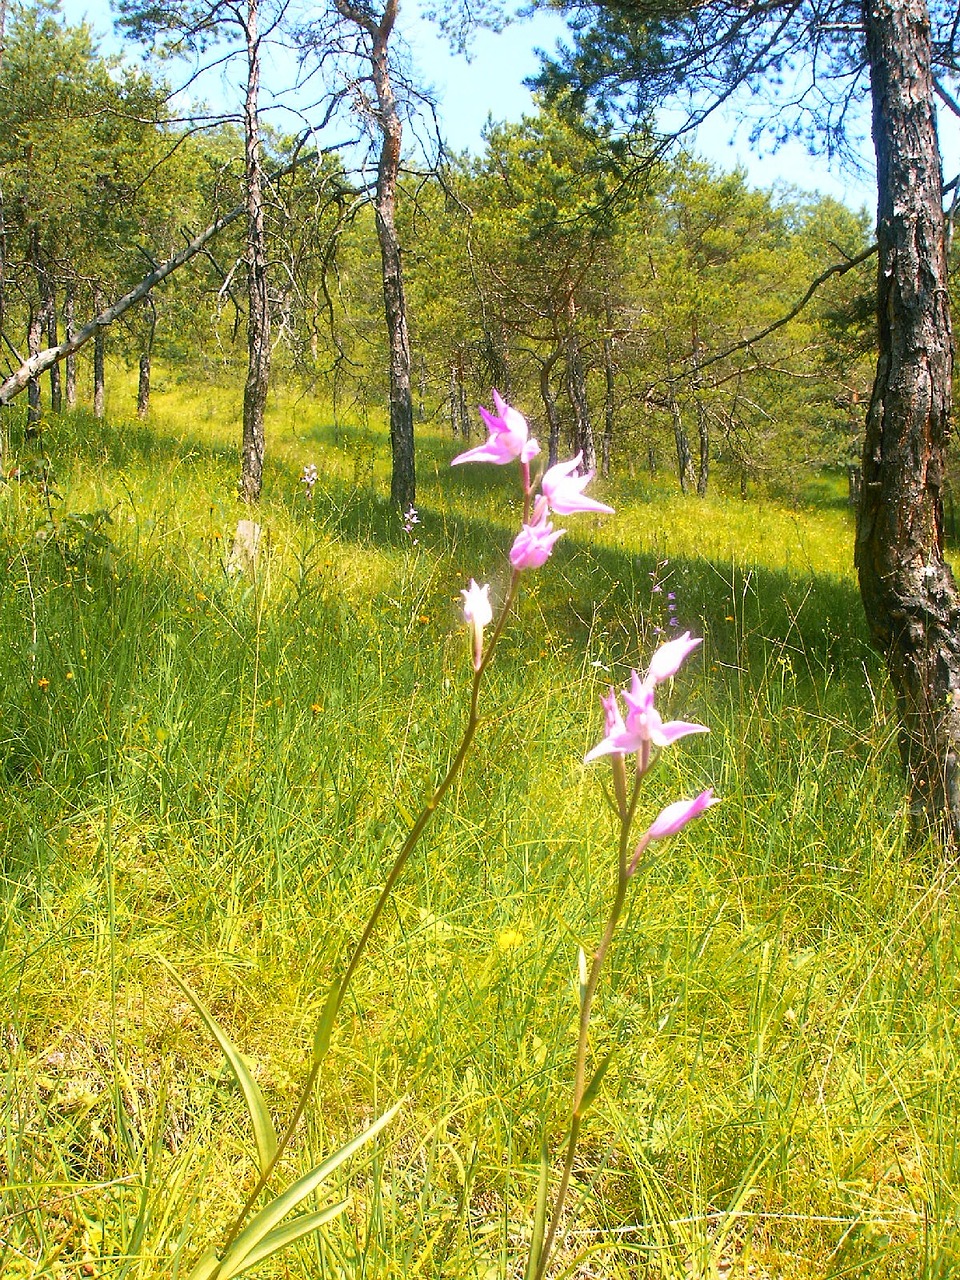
{"type": "Point", "coordinates": [586, 1008]}
{"type": "Point", "coordinates": [339, 989]}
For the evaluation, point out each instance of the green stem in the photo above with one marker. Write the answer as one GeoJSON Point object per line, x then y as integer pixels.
{"type": "Point", "coordinates": [339, 990]}
{"type": "Point", "coordinates": [586, 1007]}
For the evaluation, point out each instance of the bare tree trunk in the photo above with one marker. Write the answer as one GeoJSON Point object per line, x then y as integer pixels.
{"type": "Point", "coordinates": [143, 381]}
{"type": "Point", "coordinates": [143, 385]}
{"type": "Point", "coordinates": [703, 440]}
{"type": "Point", "coordinates": [459, 417]}
{"type": "Point", "coordinates": [99, 343]}
{"type": "Point", "coordinates": [550, 408]}
{"type": "Point", "coordinates": [577, 391]}
{"type": "Point", "coordinates": [609, 374]}
{"type": "Point", "coordinates": [70, 364]}
{"type": "Point", "coordinates": [703, 422]}
{"type": "Point", "coordinates": [258, 299]}
{"type": "Point", "coordinates": [56, 385]}
{"type": "Point", "coordinates": [909, 593]}
{"type": "Point", "coordinates": [403, 484]}
{"type": "Point", "coordinates": [34, 341]}
{"type": "Point", "coordinates": [682, 442]}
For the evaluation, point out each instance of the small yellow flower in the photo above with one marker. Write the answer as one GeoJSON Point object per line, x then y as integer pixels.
{"type": "Point", "coordinates": [69, 675]}
{"type": "Point", "coordinates": [201, 597]}
{"type": "Point", "coordinates": [316, 708]}
{"type": "Point", "coordinates": [423, 619]}
{"type": "Point", "coordinates": [43, 683]}
{"type": "Point", "coordinates": [508, 939]}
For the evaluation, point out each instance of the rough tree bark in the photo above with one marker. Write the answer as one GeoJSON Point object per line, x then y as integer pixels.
{"type": "Point", "coordinates": [258, 299]}
{"type": "Point", "coordinates": [909, 593]}
{"type": "Point", "coordinates": [703, 424]}
{"type": "Point", "coordinates": [56, 384]}
{"type": "Point", "coordinates": [682, 442]}
{"type": "Point", "coordinates": [550, 407]}
{"type": "Point", "coordinates": [609, 393]}
{"type": "Point", "coordinates": [35, 327]}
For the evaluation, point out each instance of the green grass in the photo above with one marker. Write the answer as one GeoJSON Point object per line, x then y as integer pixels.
{"type": "Point", "coordinates": [217, 771]}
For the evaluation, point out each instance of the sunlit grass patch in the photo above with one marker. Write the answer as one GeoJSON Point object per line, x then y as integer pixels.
{"type": "Point", "coordinates": [215, 768]}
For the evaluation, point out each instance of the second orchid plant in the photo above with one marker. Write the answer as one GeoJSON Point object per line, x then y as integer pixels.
{"type": "Point", "coordinates": [634, 737]}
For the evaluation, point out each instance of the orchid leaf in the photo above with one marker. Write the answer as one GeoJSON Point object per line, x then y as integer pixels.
{"type": "Point", "coordinates": [280, 1237]}
{"type": "Point", "coordinates": [264, 1133]}
{"type": "Point", "coordinates": [261, 1226]}
{"type": "Point", "coordinates": [540, 1214]}
{"type": "Point", "coordinates": [593, 1088]}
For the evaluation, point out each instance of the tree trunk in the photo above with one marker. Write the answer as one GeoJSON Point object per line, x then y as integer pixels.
{"type": "Point", "coordinates": [459, 416]}
{"type": "Point", "coordinates": [682, 442]}
{"type": "Point", "coordinates": [35, 327]}
{"type": "Point", "coordinates": [56, 385]}
{"type": "Point", "coordinates": [909, 593]}
{"type": "Point", "coordinates": [258, 299]}
{"type": "Point", "coordinates": [99, 343]}
{"type": "Point", "coordinates": [70, 364]}
{"type": "Point", "coordinates": [550, 408]}
{"type": "Point", "coordinates": [143, 382]}
{"type": "Point", "coordinates": [703, 440]}
{"type": "Point", "coordinates": [609, 374]}
{"type": "Point", "coordinates": [703, 423]}
{"type": "Point", "coordinates": [143, 385]}
{"type": "Point", "coordinates": [577, 391]}
{"type": "Point", "coordinates": [403, 483]}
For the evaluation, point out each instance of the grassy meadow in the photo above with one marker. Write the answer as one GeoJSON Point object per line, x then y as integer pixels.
{"type": "Point", "coordinates": [215, 770]}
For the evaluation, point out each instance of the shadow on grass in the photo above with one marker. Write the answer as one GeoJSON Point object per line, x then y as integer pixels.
{"type": "Point", "coordinates": [597, 596]}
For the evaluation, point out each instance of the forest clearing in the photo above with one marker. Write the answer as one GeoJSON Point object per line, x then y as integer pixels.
{"type": "Point", "coordinates": [513, 841]}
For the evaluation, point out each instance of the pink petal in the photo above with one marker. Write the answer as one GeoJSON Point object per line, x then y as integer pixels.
{"type": "Point", "coordinates": [670, 820]}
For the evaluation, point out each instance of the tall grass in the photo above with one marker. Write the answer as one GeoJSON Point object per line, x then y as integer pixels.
{"type": "Point", "coordinates": [216, 769]}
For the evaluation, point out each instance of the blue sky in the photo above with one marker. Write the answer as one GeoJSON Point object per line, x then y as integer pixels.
{"type": "Point", "coordinates": [491, 84]}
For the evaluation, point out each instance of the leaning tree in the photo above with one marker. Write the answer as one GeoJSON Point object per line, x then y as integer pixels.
{"type": "Point", "coordinates": [818, 61]}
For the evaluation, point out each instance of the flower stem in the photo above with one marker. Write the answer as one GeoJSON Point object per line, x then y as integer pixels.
{"type": "Point", "coordinates": [339, 988]}
{"type": "Point", "coordinates": [586, 1007]}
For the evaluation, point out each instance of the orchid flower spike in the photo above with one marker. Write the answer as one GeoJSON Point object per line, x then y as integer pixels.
{"type": "Point", "coordinates": [477, 612]}
{"type": "Point", "coordinates": [509, 437]}
{"type": "Point", "coordinates": [563, 487]}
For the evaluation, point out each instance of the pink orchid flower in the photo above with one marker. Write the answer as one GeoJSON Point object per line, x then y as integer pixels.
{"type": "Point", "coordinates": [534, 543]}
{"type": "Point", "coordinates": [668, 659]}
{"type": "Point", "coordinates": [477, 612]}
{"type": "Point", "coordinates": [563, 487]}
{"type": "Point", "coordinates": [644, 726]}
{"type": "Point", "coordinates": [509, 437]}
